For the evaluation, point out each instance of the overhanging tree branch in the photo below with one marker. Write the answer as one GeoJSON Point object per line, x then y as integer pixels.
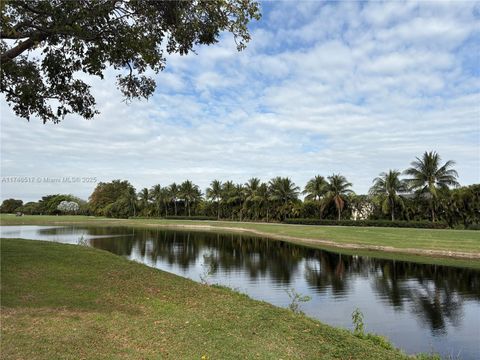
{"type": "Point", "coordinates": [12, 53]}
{"type": "Point", "coordinates": [85, 36]}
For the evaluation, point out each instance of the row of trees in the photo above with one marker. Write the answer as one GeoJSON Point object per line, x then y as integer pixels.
{"type": "Point", "coordinates": [427, 177]}
{"type": "Point", "coordinates": [255, 200]}
{"type": "Point", "coordinates": [429, 190]}
{"type": "Point", "coordinates": [48, 205]}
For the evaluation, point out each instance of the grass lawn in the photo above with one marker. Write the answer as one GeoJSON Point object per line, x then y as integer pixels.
{"type": "Point", "coordinates": [71, 302]}
{"type": "Point", "coordinates": [399, 243]}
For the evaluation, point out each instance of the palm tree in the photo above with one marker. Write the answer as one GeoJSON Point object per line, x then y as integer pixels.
{"type": "Point", "coordinates": [234, 197]}
{"type": "Point", "coordinates": [239, 198]}
{"type": "Point", "coordinates": [338, 188]}
{"type": "Point", "coordinates": [190, 194]}
{"type": "Point", "coordinates": [214, 192]}
{"type": "Point", "coordinates": [285, 192]}
{"type": "Point", "coordinates": [316, 189]}
{"type": "Point", "coordinates": [144, 197]}
{"type": "Point", "coordinates": [251, 188]}
{"type": "Point", "coordinates": [131, 198]}
{"type": "Point", "coordinates": [157, 194]}
{"type": "Point", "coordinates": [228, 194]}
{"type": "Point", "coordinates": [166, 197]}
{"type": "Point", "coordinates": [388, 186]}
{"type": "Point", "coordinates": [262, 198]}
{"type": "Point", "coordinates": [427, 176]}
{"type": "Point", "coordinates": [174, 192]}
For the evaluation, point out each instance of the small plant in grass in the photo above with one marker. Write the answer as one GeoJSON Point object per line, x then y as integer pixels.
{"type": "Point", "coordinates": [82, 241]}
{"type": "Point", "coordinates": [435, 356]}
{"type": "Point", "coordinates": [426, 356]}
{"type": "Point", "coordinates": [209, 268]}
{"type": "Point", "coordinates": [358, 325]}
{"type": "Point", "coordinates": [296, 299]}
{"type": "Point", "coordinates": [359, 331]}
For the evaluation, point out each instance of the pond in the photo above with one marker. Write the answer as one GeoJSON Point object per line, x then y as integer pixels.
{"type": "Point", "coordinates": [419, 307]}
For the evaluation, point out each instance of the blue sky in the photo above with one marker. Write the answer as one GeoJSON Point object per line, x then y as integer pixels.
{"type": "Point", "coordinates": [350, 87]}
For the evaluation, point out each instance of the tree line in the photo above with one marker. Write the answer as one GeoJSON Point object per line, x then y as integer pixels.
{"type": "Point", "coordinates": [427, 190]}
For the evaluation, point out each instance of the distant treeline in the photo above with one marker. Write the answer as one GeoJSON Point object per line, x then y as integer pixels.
{"type": "Point", "coordinates": [429, 192]}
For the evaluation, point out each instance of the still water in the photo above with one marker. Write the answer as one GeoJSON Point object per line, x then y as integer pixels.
{"type": "Point", "coordinates": [419, 307]}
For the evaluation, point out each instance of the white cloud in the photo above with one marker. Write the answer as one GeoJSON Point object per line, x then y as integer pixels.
{"type": "Point", "coordinates": [338, 87]}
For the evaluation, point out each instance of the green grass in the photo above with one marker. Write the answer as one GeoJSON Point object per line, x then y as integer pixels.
{"type": "Point", "coordinates": [70, 302]}
{"type": "Point", "coordinates": [401, 240]}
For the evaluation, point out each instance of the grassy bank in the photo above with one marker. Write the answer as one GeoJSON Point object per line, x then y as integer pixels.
{"type": "Point", "coordinates": [421, 245]}
{"type": "Point", "coordinates": [65, 301]}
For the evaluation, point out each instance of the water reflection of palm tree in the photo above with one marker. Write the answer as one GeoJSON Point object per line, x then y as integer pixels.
{"type": "Point", "coordinates": [329, 274]}
{"type": "Point", "coordinates": [435, 295]}
{"type": "Point", "coordinates": [435, 306]}
{"type": "Point", "coordinates": [340, 268]}
{"type": "Point", "coordinates": [389, 286]}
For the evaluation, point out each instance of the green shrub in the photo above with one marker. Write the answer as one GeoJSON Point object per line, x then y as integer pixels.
{"type": "Point", "coordinates": [378, 223]}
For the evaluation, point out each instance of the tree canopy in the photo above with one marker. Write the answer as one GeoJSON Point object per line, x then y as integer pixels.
{"type": "Point", "coordinates": [427, 176]}
{"type": "Point", "coordinates": [387, 187]}
{"type": "Point", "coordinates": [337, 190]}
{"type": "Point", "coordinates": [106, 194]}
{"type": "Point", "coordinates": [88, 36]}
{"type": "Point", "coordinates": [10, 205]}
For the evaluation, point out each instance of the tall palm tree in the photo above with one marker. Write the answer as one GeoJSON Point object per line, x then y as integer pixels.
{"type": "Point", "coordinates": [338, 188]}
{"type": "Point", "coordinates": [315, 190]}
{"type": "Point", "coordinates": [214, 192]}
{"type": "Point", "coordinates": [131, 198]}
{"type": "Point", "coordinates": [166, 197]}
{"type": "Point", "coordinates": [262, 198]}
{"type": "Point", "coordinates": [388, 186]}
{"type": "Point", "coordinates": [190, 194]}
{"type": "Point", "coordinates": [228, 193]}
{"type": "Point", "coordinates": [174, 193]}
{"type": "Point", "coordinates": [239, 198]}
{"type": "Point", "coordinates": [144, 197]}
{"type": "Point", "coordinates": [427, 176]}
{"type": "Point", "coordinates": [284, 192]}
{"type": "Point", "coordinates": [251, 188]}
{"type": "Point", "coordinates": [157, 194]}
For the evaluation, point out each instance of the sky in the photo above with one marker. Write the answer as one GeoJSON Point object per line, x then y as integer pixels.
{"type": "Point", "coordinates": [355, 88]}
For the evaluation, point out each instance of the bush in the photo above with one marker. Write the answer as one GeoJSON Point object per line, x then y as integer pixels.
{"type": "Point", "coordinates": [379, 223]}
{"type": "Point", "coordinates": [473, 227]}
{"type": "Point", "coordinates": [10, 206]}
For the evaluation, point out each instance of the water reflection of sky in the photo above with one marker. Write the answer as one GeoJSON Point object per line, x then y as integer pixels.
{"type": "Point", "coordinates": [61, 234]}
{"type": "Point", "coordinates": [419, 307]}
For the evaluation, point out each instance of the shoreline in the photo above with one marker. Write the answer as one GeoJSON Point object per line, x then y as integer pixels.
{"type": "Point", "coordinates": [89, 303]}
{"type": "Point", "coordinates": [330, 243]}
{"type": "Point", "coordinates": [436, 246]}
